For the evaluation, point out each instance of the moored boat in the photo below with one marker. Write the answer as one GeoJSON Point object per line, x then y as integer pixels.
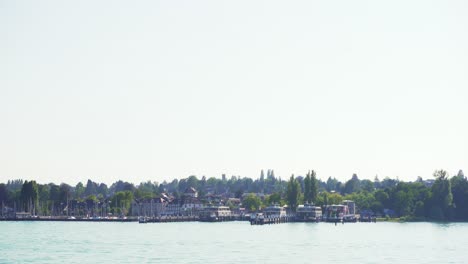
{"type": "Point", "coordinates": [308, 213]}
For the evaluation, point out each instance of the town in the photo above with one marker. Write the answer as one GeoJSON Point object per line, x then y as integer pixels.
{"type": "Point", "coordinates": [267, 199]}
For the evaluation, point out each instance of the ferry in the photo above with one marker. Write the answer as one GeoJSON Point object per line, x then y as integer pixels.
{"type": "Point", "coordinates": [308, 213]}
{"type": "Point", "coordinates": [215, 214]}
{"type": "Point", "coordinates": [274, 211]}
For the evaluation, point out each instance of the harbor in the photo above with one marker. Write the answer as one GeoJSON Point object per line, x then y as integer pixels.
{"type": "Point", "coordinates": [274, 214]}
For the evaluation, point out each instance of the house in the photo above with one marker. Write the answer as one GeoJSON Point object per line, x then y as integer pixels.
{"type": "Point", "coordinates": [191, 192]}
{"type": "Point", "coordinates": [172, 209]}
{"type": "Point", "coordinates": [191, 206]}
{"type": "Point", "coordinates": [214, 199]}
{"type": "Point", "coordinates": [149, 207]}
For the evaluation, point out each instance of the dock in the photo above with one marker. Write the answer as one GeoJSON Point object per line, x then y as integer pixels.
{"type": "Point", "coordinates": [167, 219]}
{"type": "Point", "coordinates": [272, 220]}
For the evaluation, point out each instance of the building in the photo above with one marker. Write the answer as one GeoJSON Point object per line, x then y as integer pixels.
{"type": "Point", "coordinates": [351, 206]}
{"type": "Point", "coordinates": [215, 213]}
{"type": "Point", "coordinates": [173, 208]}
{"type": "Point", "coordinates": [335, 213]}
{"type": "Point", "coordinates": [274, 211]}
{"type": "Point", "coordinates": [236, 202]}
{"type": "Point", "coordinates": [149, 207]}
{"type": "Point", "coordinates": [23, 215]}
{"type": "Point", "coordinates": [191, 192]}
{"type": "Point", "coordinates": [191, 206]}
{"type": "Point", "coordinates": [308, 213]}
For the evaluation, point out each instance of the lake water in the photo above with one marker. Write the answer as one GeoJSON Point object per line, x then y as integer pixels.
{"type": "Point", "coordinates": [232, 242]}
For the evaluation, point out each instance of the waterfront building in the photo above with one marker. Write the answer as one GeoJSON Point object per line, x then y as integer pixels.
{"type": "Point", "coordinates": [173, 208]}
{"type": "Point", "coordinates": [274, 211]}
{"type": "Point", "coordinates": [191, 206]}
{"type": "Point", "coordinates": [351, 206]}
{"type": "Point", "coordinates": [215, 213]}
{"type": "Point", "coordinates": [335, 213]}
{"type": "Point", "coordinates": [149, 207]}
{"type": "Point", "coordinates": [22, 215]}
{"type": "Point", "coordinates": [166, 205]}
{"type": "Point", "coordinates": [308, 213]}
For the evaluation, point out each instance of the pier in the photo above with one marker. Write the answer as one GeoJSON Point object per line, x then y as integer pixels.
{"type": "Point", "coordinates": [168, 219]}
{"type": "Point", "coordinates": [193, 218]}
{"type": "Point", "coordinates": [271, 220]}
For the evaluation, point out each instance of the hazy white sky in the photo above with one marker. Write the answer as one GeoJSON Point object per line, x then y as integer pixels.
{"type": "Point", "coordinates": [139, 90]}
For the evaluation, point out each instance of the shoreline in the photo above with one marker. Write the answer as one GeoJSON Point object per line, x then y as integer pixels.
{"type": "Point", "coordinates": [173, 220]}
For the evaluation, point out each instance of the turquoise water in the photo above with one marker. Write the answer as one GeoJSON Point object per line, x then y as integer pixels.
{"type": "Point", "coordinates": [232, 242]}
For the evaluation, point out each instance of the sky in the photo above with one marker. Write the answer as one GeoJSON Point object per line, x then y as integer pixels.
{"type": "Point", "coordinates": [156, 90]}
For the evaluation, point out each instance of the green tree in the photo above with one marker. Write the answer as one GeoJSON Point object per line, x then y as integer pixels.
{"type": "Point", "coordinates": [307, 185]}
{"type": "Point", "coordinates": [353, 185]}
{"type": "Point", "coordinates": [30, 196]}
{"type": "Point", "coordinates": [382, 197]}
{"type": "Point", "coordinates": [44, 194]}
{"type": "Point", "coordinates": [65, 193]}
{"type": "Point", "coordinates": [367, 185]}
{"type": "Point", "coordinates": [314, 185]}
{"type": "Point", "coordinates": [121, 202]}
{"type": "Point", "coordinates": [441, 196]}
{"type": "Point", "coordinates": [251, 202]}
{"type": "Point", "coordinates": [102, 190]}
{"type": "Point", "coordinates": [419, 209]}
{"type": "Point", "coordinates": [79, 190]}
{"type": "Point", "coordinates": [364, 200]}
{"type": "Point", "coordinates": [459, 185]}
{"type": "Point", "coordinates": [90, 188]}
{"type": "Point", "coordinates": [4, 195]}
{"type": "Point", "coordinates": [326, 198]}
{"type": "Point", "coordinates": [192, 181]}
{"type": "Point", "coordinates": [274, 198]}
{"type": "Point", "coordinates": [293, 193]}
{"type": "Point", "coordinates": [402, 203]}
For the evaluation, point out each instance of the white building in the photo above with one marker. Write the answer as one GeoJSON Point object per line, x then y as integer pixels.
{"type": "Point", "coordinates": [351, 206]}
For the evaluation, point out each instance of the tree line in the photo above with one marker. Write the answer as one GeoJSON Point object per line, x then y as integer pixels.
{"type": "Point", "coordinates": [441, 198]}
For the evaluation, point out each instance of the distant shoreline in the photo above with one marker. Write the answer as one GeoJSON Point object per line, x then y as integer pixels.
{"type": "Point", "coordinates": [173, 220]}
{"type": "Point", "coordinates": [66, 220]}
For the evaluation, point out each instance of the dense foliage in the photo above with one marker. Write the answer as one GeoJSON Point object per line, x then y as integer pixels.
{"type": "Point", "coordinates": [441, 198]}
